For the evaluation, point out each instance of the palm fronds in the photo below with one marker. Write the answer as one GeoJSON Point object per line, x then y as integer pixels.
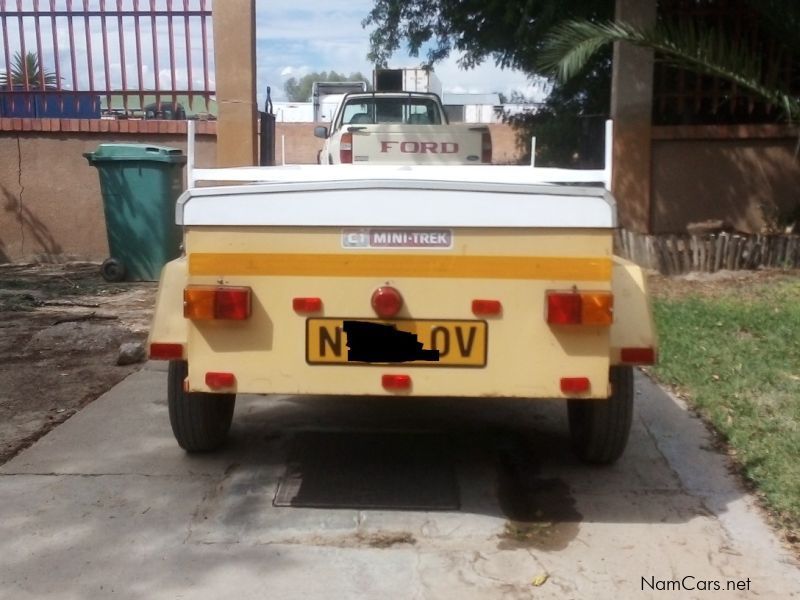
{"type": "Point", "coordinates": [27, 72]}
{"type": "Point", "coordinates": [569, 46]}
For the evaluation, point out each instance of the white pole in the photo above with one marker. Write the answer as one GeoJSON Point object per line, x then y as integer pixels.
{"type": "Point", "coordinates": [609, 167]}
{"type": "Point", "coordinates": [533, 151]}
{"type": "Point", "coordinates": [283, 150]}
{"type": "Point", "coordinates": [190, 154]}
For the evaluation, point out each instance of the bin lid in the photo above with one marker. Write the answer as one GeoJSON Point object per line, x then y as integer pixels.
{"type": "Point", "coordinates": [135, 152]}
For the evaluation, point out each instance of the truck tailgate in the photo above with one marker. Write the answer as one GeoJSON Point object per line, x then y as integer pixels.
{"type": "Point", "coordinates": [417, 144]}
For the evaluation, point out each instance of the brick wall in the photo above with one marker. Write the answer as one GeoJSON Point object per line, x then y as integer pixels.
{"type": "Point", "coordinates": [50, 203]}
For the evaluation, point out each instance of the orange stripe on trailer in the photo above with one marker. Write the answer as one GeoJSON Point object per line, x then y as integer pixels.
{"type": "Point", "coordinates": [407, 265]}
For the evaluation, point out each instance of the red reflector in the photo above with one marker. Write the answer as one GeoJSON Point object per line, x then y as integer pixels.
{"type": "Point", "coordinates": [218, 381]}
{"type": "Point", "coordinates": [166, 351]}
{"type": "Point", "coordinates": [487, 307]}
{"type": "Point", "coordinates": [574, 385]}
{"type": "Point", "coordinates": [563, 309]}
{"type": "Point", "coordinates": [396, 382]}
{"type": "Point", "coordinates": [387, 302]}
{"type": "Point", "coordinates": [307, 305]}
{"type": "Point", "coordinates": [638, 356]}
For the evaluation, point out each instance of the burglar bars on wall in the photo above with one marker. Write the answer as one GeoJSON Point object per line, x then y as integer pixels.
{"type": "Point", "coordinates": [50, 54]}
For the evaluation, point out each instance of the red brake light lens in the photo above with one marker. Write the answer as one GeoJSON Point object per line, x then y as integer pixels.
{"type": "Point", "coordinates": [232, 303]}
{"type": "Point", "coordinates": [387, 302]}
{"type": "Point", "coordinates": [346, 148]}
{"type": "Point", "coordinates": [563, 309]}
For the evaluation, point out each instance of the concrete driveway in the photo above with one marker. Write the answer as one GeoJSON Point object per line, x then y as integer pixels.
{"type": "Point", "coordinates": [107, 505]}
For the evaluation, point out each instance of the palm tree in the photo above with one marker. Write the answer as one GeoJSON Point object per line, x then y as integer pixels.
{"type": "Point", "coordinates": [28, 71]}
{"type": "Point", "coordinates": [569, 47]}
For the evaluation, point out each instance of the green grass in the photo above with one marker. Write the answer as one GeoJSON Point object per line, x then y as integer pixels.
{"type": "Point", "coordinates": [736, 356]}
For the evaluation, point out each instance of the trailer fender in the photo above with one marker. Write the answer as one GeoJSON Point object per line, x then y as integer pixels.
{"type": "Point", "coordinates": [169, 325]}
{"type": "Point", "coordinates": [633, 326]}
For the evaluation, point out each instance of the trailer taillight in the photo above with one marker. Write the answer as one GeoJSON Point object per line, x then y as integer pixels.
{"type": "Point", "coordinates": [346, 148]}
{"type": "Point", "coordinates": [486, 147]}
{"type": "Point", "coordinates": [580, 308]}
{"type": "Point", "coordinates": [205, 303]}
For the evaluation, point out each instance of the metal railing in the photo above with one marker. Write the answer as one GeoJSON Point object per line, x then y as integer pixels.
{"type": "Point", "coordinates": [66, 56]}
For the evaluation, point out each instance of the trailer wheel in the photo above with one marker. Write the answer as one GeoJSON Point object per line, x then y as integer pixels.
{"type": "Point", "coordinates": [112, 270]}
{"type": "Point", "coordinates": [599, 429]}
{"type": "Point", "coordinates": [199, 421]}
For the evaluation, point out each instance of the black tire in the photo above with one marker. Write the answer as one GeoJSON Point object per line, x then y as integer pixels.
{"type": "Point", "coordinates": [599, 429]}
{"type": "Point", "coordinates": [199, 421]}
{"type": "Point", "coordinates": [112, 270]}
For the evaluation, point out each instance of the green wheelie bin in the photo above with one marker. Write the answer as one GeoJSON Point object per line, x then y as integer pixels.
{"type": "Point", "coordinates": [140, 184]}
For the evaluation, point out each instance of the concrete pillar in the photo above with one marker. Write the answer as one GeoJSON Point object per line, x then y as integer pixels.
{"type": "Point", "coordinates": [235, 75]}
{"type": "Point", "coordinates": [631, 110]}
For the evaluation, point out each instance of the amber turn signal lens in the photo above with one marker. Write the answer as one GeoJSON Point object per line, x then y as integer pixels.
{"type": "Point", "coordinates": [597, 308]}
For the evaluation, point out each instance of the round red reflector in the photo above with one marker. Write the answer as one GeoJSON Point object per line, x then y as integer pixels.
{"type": "Point", "coordinates": [387, 302]}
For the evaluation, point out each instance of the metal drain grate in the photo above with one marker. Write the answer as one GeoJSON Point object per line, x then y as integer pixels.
{"type": "Point", "coordinates": [411, 471]}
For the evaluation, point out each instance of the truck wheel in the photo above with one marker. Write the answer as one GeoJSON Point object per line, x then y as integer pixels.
{"type": "Point", "coordinates": [599, 428]}
{"type": "Point", "coordinates": [199, 421]}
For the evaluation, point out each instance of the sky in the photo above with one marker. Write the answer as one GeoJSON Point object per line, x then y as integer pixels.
{"type": "Point", "coordinates": [293, 37]}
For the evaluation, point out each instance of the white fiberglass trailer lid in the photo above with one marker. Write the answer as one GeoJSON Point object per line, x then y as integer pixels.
{"type": "Point", "coordinates": [400, 198]}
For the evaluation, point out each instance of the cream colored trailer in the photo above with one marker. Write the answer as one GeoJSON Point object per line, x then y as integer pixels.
{"type": "Point", "coordinates": [424, 281]}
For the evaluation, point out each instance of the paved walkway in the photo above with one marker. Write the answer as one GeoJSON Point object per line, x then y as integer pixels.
{"type": "Point", "coordinates": [107, 505]}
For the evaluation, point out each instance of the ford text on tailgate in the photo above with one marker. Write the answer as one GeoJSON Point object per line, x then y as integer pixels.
{"type": "Point", "coordinates": [393, 282]}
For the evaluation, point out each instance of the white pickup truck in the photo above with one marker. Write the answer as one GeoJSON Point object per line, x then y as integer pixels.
{"type": "Point", "coordinates": [402, 280]}
{"type": "Point", "coordinates": [400, 128]}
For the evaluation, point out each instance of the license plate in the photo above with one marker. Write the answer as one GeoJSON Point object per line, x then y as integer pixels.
{"type": "Point", "coordinates": [418, 342]}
